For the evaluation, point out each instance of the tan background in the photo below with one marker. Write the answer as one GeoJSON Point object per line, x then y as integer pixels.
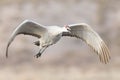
{"type": "Point", "coordinates": [69, 59]}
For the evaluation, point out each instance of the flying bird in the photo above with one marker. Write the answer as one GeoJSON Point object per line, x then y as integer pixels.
{"type": "Point", "coordinates": [49, 35]}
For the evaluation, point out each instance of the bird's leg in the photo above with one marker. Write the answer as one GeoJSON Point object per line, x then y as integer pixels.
{"type": "Point", "coordinates": [44, 49]}
{"type": "Point", "coordinates": [40, 52]}
{"type": "Point", "coordinates": [37, 43]}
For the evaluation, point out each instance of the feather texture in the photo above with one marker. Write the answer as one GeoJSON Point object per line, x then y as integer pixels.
{"type": "Point", "coordinates": [87, 34]}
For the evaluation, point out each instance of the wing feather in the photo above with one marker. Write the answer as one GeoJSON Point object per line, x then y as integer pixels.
{"type": "Point", "coordinates": [87, 34]}
{"type": "Point", "coordinates": [27, 27]}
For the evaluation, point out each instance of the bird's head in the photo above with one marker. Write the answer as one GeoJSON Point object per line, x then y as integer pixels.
{"type": "Point", "coordinates": [67, 27]}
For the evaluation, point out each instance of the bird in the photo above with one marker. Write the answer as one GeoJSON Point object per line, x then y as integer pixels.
{"type": "Point", "coordinates": [49, 35]}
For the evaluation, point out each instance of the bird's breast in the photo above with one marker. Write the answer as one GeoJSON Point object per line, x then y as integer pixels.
{"type": "Point", "coordinates": [49, 39]}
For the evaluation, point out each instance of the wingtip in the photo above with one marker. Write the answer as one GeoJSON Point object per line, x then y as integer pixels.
{"type": "Point", "coordinates": [7, 52]}
{"type": "Point", "coordinates": [6, 56]}
{"type": "Point", "coordinates": [7, 49]}
{"type": "Point", "coordinates": [105, 53]}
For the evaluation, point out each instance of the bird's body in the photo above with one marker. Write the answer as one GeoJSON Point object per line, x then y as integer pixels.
{"type": "Point", "coordinates": [52, 34]}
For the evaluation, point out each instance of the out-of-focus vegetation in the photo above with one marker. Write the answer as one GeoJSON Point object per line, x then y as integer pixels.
{"type": "Point", "coordinates": [69, 59]}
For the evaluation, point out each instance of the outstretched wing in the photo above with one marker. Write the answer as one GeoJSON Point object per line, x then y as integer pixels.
{"type": "Point", "coordinates": [87, 34]}
{"type": "Point", "coordinates": [27, 27]}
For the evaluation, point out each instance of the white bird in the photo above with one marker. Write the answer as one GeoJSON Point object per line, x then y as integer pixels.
{"type": "Point", "coordinates": [50, 35]}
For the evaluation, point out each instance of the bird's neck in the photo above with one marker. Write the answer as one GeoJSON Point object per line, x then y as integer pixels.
{"type": "Point", "coordinates": [55, 30]}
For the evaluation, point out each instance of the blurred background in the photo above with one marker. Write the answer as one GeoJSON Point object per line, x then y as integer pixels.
{"type": "Point", "coordinates": [70, 58]}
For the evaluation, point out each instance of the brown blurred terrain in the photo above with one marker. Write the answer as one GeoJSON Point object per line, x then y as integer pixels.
{"type": "Point", "coordinates": [69, 59]}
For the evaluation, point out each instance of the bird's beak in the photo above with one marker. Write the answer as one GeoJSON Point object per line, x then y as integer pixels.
{"type": "Point", "coordinates": [67, 27]}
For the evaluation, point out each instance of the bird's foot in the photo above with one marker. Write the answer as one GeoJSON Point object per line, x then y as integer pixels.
{"type": "Point", "coordinates": [37, 43]}
{"type": "Point", "coordinates": [37, 55]}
